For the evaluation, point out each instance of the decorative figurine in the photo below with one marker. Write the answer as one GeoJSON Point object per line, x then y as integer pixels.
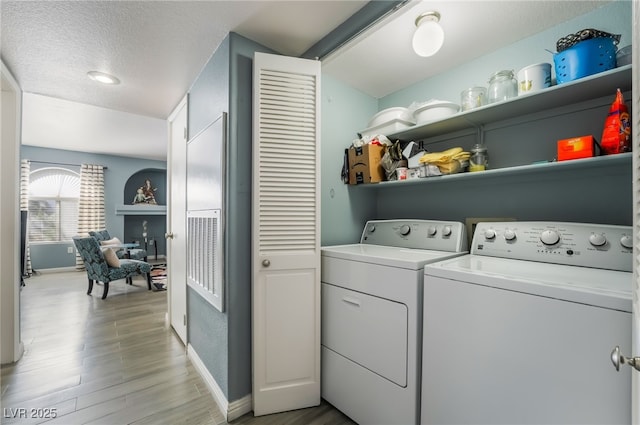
{"type": "Point", "coordinates": [145, 195]}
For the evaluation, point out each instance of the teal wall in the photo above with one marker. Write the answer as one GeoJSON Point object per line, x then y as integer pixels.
{"type": "Point", "coordinates": [208, 327]}
{"type": "Point", "coordinates": [345, 111]}
{"type": "Point", "coordinates": [119, 169]}
{"type": "Point", "coordinates": [223, 340]}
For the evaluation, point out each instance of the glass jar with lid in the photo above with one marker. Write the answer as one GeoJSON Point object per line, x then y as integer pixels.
{"type": "Point", "coordinates": [479, 159]}
{"type": "Point", "coordinates": [502, 86]}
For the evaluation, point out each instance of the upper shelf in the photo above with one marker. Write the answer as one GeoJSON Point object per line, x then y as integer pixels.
{"type": "Point", "coordinates": [141, 209]}
{"type": "Point", "coordinates": [583, 89]}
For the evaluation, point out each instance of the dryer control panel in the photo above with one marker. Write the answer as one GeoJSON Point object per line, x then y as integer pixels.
{"type": "Point", "coordinates": [600, 246]}
{"type": "Point", "coordinates": [416, 234]}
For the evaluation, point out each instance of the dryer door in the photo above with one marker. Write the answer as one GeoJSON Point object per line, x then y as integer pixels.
{"type": "Point", "coordinates": [368, 330]}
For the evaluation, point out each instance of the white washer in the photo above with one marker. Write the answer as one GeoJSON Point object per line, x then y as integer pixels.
{"type": "Point", "coordinates": [372, 317]}
{"type": "Point", "coordinates": [521, 330]}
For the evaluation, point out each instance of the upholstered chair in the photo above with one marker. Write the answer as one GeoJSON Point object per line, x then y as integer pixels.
{"type": "Point", "coordinates": [102, 265]}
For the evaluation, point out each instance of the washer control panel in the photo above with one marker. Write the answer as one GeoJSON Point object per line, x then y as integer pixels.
{"type": "Point", "coordinates": [580, 244]}
{"type": "Point", "coordinates": [435, 235]}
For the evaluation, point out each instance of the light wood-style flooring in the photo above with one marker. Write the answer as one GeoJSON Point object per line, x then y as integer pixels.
{"type": "Point", "coordinates": [113, 361]}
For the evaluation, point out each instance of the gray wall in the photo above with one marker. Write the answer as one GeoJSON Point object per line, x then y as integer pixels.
{"type": "Point", "coordinates": [223, 340]}
{"type": "Point", "coordinates": [115, 177]}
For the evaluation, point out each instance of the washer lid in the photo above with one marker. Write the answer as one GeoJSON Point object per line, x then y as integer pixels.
{"type": "Point", "coordinates": [405, 258]}
{"type": "Point", "coordinates": [585, 285]}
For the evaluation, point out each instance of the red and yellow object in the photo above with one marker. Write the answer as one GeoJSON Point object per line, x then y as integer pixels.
{"type": "Point", "coordinates": [576, 147]}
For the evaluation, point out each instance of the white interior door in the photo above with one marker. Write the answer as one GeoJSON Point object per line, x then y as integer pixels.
{"type": "Point", "coordinates": [286, 234]}
{"type": "Point", "coordinates": [177, 219]}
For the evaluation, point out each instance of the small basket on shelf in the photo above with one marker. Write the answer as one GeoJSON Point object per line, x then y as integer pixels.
{"type": "Point", "coordinates": [585, 58]}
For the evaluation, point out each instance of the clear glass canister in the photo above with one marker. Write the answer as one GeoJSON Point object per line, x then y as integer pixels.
{"type": "Point", "coordinates": [473, 97]}
{"type": "Point", "coordinates": [502, 86]}
{"type": "Point", "coordinates": [479, 159]}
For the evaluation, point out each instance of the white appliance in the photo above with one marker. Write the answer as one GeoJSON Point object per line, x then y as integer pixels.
{"type": "Point", "coordinates": [521, 330]}
{"type": "Point", "coordinates": [372, 317]}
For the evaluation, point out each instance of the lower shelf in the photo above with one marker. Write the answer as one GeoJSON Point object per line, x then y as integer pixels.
{"type": "Point", "coordinates": [623, 161]}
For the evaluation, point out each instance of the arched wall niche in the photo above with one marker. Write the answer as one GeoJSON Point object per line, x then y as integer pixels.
{"type": "Point", "coordinates": [146, 218]}
{"type": "Point", "coordinates": [158, 178]}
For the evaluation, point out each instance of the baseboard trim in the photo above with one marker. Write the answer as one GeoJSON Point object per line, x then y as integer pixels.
{"type": "Point", "coordinates": [57, 270]}
{"type": "Point", "coordinates": [232, 410]}
{"type": "Point", "coordinates": [239, 407]}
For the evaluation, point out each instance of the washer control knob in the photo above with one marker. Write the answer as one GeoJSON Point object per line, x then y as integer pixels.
{"type": "Point", "coordinates": [489, 234]}
{"type": "Point", "coordinates": [405, 229]}
{"type": "Point", "coordinates": [371, 228]}
{"type": "Point", "coordinates": [446, 231]}
{"type": "Point", "coordinates": [510, 235]}
{"type": "Point", "coordinates": [626, 241]}
{"type": "Point", "coordinates": [431, 231]}
{"type": "Point", "coordinates": [597, 239]}
{"type": "Point", "coordinates": [549, 237]}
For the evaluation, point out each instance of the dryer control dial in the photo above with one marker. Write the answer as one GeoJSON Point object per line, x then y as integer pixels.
{"type": "Point", "coordinates": [446, 231]}
{"type": "Point", "coordinates": [405, 229]}
{"type": "Point", "coordinates": [626, 241]}
{"type": "Point", "coordinates": [489, 234]}
{"type": "Point", "coordinates": [431, 231]}
{"type": "Point", "coordinates": [549, 237]}
{"type": "Point", "coordinates": [597, 239]}
{"type": "Point", "coordinates": [510, 235]}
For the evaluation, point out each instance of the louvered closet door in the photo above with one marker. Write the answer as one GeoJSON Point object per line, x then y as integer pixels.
{"type": "Point", "coordinates": [286, 234]}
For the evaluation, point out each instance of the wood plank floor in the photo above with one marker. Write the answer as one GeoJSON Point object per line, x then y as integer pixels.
{"type": "Point", "coordinates": [113, 361]}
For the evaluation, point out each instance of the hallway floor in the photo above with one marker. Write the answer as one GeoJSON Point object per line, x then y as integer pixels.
{"type": "Point", "coordinates": [113, 361]}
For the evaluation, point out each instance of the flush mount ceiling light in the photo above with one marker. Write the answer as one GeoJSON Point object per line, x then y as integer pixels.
{"type": "Point", "coordinates": [429, 36]}
{"type": "Point", "coordinates": [103, 78]}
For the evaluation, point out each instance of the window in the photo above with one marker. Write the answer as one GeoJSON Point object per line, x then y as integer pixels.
{"type": "Point", "coordinates": [53, 204]}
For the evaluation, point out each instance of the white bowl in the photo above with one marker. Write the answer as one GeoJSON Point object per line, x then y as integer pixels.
{"type": "Point", "coordinates": [435, 110]}
{"type": "Point", "coordinates": [390, 114]}
{"type": "Point", "coordinates": [387, 128]}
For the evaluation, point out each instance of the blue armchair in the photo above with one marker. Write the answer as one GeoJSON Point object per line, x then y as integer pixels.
{"type": "Point", "coordinates": [132, 254]}
{"type": "Point", "coordinates": [98, 270]}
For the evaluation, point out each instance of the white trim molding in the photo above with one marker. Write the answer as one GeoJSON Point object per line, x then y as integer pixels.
{"type": "Point", "coordinates": [232, 410]}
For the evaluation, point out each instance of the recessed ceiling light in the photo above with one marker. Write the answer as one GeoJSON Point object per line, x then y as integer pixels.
{"type": "Point", "coordinates": [102, 77]}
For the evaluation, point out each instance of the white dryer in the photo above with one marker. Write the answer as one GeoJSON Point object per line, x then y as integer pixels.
{"type": "Point", "coordinates": [372, 317]}
{"type": "Point", "coordinates": [521, 330]}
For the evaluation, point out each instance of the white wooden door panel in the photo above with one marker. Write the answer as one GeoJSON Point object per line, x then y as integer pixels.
{"type": "Point", "coordinates": [286, 234]}
{"type": "Point", "coordinates": [176, 221]}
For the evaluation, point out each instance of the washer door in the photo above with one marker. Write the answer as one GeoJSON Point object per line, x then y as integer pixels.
{"type": "Point", "coordinates": [368, 330]}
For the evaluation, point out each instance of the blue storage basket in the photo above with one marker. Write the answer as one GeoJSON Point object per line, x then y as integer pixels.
{"type": "Point", "coordinates": [585, 58]}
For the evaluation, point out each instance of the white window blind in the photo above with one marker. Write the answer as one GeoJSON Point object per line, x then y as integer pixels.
{"type": "Point", "coordinates": [53, 205]}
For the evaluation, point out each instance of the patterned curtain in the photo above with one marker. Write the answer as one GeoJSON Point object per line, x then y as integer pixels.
{"type": "Point", "coordinates": [91, 203]}
{"type": "Point", "coordinates": [25, 175]}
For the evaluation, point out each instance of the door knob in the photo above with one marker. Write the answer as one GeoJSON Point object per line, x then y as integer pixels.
{"type": "Point", "coordinates": [168, 235]}
{"type": "Point", "coordinates": [266, 263]}
{"type": "Point", "coordinates": [617, 359]}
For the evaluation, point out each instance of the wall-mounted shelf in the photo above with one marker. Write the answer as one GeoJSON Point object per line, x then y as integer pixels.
{"type": "Point", "coordinates": [141, 209]}
{"type": "Point", "coordinates": [583, 89]}
{"type": "Point", "coordinates": [620, 161]}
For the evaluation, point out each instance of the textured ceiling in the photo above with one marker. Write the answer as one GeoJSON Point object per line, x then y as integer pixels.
{"type": "Point", "coordinates": [156, 48]}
